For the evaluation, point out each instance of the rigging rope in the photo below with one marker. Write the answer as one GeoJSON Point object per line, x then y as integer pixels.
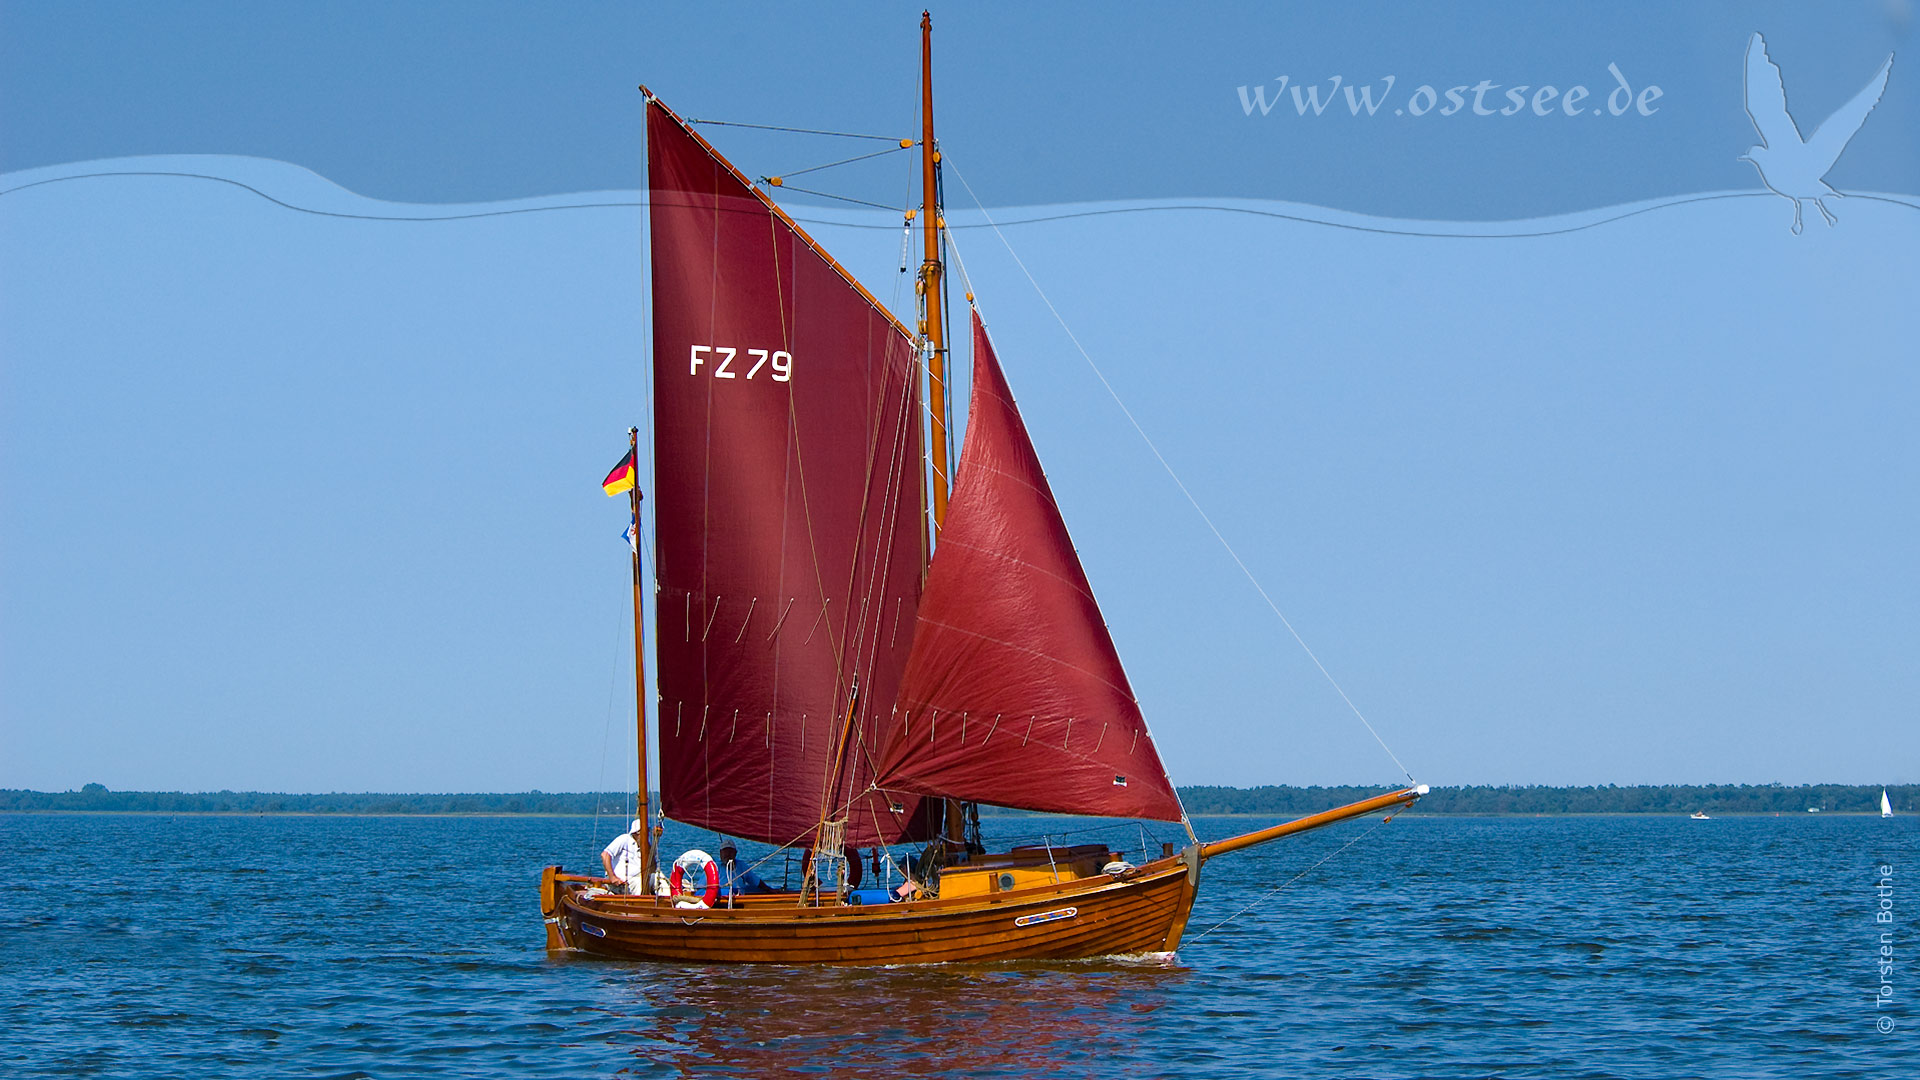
{"type": "Point", "coordinates": [841, 198]}
{"type": "Point", "coordinates": [966, 279]}
{"type": "Point", "coordinates": [1164, 464]}
{"type": "Point", "coordinates": [606, 736]}
{"type": "Point", "coordinates": [1270, 893]}
{"type": "Point", "coordinates": [796, 130]}
{"type": "Point", "coordinates": [776, 181]}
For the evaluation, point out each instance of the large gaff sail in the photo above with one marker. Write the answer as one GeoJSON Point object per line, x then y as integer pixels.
{"type": "Point", "coordinates": [791, 530]}
{"type": "Point", "coordinates": [1014, 694]}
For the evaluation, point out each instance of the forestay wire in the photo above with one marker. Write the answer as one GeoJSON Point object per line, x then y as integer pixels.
{"type": "Point", "coordinates": [947, 160]}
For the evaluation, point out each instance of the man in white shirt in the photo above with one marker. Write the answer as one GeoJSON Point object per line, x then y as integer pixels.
{"type": "Point", "coordinates": [623, 861]}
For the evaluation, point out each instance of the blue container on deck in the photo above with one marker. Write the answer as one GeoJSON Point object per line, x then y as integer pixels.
{"type": "Point", "coordinates": [869, 896]}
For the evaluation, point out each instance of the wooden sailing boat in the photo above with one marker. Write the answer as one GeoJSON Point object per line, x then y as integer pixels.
{"type": "Point", "coordinates": [830, 676]}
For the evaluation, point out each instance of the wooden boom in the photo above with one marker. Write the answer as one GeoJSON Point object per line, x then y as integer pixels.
{"type": "Point", "coordinates": [1403, 798]}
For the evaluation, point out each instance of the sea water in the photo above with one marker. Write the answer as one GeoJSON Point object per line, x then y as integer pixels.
{"type": "Point", "coordinates": [216, 946]}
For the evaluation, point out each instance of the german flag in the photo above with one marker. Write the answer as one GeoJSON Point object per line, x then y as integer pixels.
{"type": "Point", "coordinates": [622, 478]}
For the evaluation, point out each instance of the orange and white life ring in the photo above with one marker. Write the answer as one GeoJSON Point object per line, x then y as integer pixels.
{"type": "Point", "coordinates": [681, 867]}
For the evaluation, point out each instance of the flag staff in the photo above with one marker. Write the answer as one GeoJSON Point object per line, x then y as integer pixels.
{"type": "Point", "coordinates": [643, 804]}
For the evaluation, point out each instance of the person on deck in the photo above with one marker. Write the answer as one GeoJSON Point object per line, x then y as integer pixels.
{"type": "Point", "coordinates": [735, 878]}
{"type": "Point", "coordinates": [623, 860]}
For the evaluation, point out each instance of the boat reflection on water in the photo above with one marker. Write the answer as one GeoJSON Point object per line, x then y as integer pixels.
{"type": "Point", "coordinates": [1007, 1020]}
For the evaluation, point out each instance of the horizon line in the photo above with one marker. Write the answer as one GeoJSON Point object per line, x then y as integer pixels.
{"type": "Point", "coordinates": [655, 792]}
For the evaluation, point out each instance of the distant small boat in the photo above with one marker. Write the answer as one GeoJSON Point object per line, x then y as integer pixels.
{"type": "Point", "coordinates": [1886, 808]}
{"type": "Point", "coordinates": [1700, 815]}
{"type": "Point", "coordinates": [1813, 809]}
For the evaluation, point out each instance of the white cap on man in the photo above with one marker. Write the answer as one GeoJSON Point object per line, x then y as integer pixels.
{"type": "Point", "coordinates": [638, 826]}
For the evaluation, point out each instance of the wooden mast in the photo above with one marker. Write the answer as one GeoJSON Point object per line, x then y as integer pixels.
{"type": "Point", "coordinates": [932, 332]}
{"type": "Point", "coordinates": [932, 275]}
{"type": "Point", "coordinates": [642, 805]}
{"type": "Point", "coordinates": [933, 327]}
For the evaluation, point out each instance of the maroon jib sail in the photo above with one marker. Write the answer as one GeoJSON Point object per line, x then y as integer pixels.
{"type": "Point", "coordinates": [792, 533]}
{"type": "Point", "coordinates": [1014, 694]}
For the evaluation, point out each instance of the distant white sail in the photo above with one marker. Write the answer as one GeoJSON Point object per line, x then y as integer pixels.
{"type": "Point", "coordinates": [1886, 808]}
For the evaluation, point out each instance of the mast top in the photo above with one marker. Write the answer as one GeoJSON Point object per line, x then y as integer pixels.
{"type": "Point", "coordinates": [931, 287]}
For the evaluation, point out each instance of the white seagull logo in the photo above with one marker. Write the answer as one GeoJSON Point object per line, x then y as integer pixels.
{"type": "Point", "coordinates": [1790, 166]}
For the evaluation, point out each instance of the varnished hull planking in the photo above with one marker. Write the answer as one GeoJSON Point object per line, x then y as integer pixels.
{"type": "Point", "coordinates": [1110, 917]}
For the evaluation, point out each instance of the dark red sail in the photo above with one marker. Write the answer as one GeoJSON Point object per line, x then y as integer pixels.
{"type": "Point", "coordinates": [787, 457]}
{"type": "Point", "coordinates": [1014, 694]}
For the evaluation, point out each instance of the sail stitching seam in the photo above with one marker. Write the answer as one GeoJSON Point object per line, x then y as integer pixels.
{"type": "Point", "coordinates": [1035, 652]}
{"type": "Point", "coordinates": [1063, 579]}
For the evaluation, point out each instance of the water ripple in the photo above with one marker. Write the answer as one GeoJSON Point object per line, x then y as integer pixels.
{"type": "Point", "coordinates": [1442, 947]}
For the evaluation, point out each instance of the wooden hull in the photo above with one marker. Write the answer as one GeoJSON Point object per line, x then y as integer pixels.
{"type": "Point", "coordinates": [1099, 916]}
{"type": "Point", "coordinates": [1086, 915]}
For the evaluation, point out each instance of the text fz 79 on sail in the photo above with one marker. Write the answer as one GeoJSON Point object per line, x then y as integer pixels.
{"type": "Point", "coordinates": [719, 362]}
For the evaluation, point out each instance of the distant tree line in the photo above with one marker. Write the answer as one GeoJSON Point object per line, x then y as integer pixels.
{"type": "Point", "coordinates": [95, 797]}
{"type": "Point", "coordinates": [1276, 801]}
{"type": "Point", "coordinates": [1543, 799]}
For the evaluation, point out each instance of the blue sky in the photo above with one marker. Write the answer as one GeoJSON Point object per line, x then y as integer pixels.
{"type": "Point", "coordinates": [1627, 504]}
{"type": "Point", "coordinates": [442, 102]}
